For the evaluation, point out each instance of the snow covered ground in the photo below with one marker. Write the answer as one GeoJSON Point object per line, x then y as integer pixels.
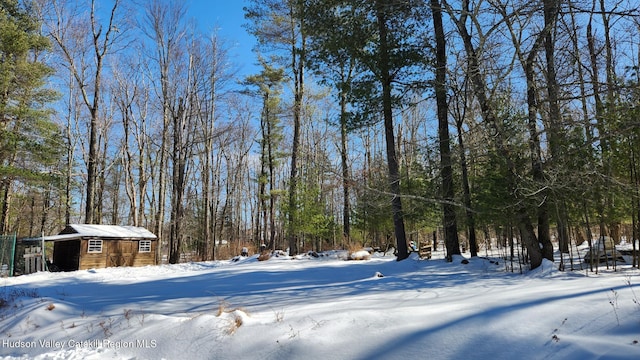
{"type": "Point", "coordinates": [322, 308]}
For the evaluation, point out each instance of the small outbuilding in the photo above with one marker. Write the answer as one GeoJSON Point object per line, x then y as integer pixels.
{"type": "Point", "coordinates": [84, 246]}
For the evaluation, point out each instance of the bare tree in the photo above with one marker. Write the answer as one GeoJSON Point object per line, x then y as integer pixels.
{"type": "Point", "coordinates": [84, 53]}
{"type": "Point", "coordinates": [131, 96]}
{"type": "Point", "coordinates": [163, 25]}
{"type": "Point", "coordinates": [213, 73]}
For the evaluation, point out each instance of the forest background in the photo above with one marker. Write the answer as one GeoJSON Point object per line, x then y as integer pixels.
{"type": "Point", "coordinates": [367, 123]}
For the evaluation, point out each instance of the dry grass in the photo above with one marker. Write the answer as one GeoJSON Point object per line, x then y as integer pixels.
{"type": "Point", "coordinates": [235, 322]}
{"type": "Point", "coordinates": [224, 308]}
{"type": "Point", "coordinates": [357, 252]}
{"type": "Point", "coordinates": [353, 247]}
{"type": "Point", "coordinates": [360, 255]}
{"type": "Point", "coordinates": [234, 325]}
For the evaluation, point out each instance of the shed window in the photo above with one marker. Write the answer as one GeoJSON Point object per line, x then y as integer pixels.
{"type": "Point", "coordinates": [144, 246]}
{"type": "Point", "coordinates": [95, 246]}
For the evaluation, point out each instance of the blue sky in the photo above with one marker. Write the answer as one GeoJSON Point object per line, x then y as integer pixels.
{"type": "Point", "coordinates": [228, 17]}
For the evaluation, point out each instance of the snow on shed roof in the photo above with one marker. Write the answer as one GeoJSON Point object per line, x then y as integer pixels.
{"type": "Point", "coordinates": [75, 231]}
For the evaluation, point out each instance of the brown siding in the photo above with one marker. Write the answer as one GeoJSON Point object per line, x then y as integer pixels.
{"type": "Point", "coordinates": [144, 259]}
{"type": "Point", "coordinates": [119, 252]}
{"type": "Point", "coordinates": [116, 253]}
{"type": "Point", "coordinates": [90, 261]}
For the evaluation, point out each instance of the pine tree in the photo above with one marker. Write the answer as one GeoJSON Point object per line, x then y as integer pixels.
{"type": "Point", "coordinates": [28, 137]}
{"type": "Point", "coordinates": [269, 87]}
{"type": "Point", "coordinates": [385, 39]}
{"type": "Point", "coordinates": [279, 26]}
{"type": "Point", "coordinates": [449, 214]}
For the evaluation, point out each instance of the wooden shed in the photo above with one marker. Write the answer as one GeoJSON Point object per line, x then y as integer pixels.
{"type": "Point", "coordinates": [83, 246]}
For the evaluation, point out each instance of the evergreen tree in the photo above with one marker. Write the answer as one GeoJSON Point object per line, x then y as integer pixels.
{"type": "Point", "coordinates": [269, 86]}
{"type": "Point", "coordinates": [449, 214]}
{"type": "Point", "coordinates": [334, 65]}
{"type": "Point", "coordinates": [385, 39]}
{"type": "Point", "coordinates": [28, 137]}
{"type": "Point", "coordinates": [279, 25]}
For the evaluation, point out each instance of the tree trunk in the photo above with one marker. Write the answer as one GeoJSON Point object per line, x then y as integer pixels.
{"type": "Point", "coordinates": [207, 194]}
{"type": "Point", "coordinates": [602, 193]}
{"type": "Point", "coordinates": [162, 181]}
{"type": "Point", "coordinates": [298, 69]}
{"type": "Point", "coordinates": [5, 190]}
{"type": "Point", "coordinates": [537, 166]}
{"type": "Point", "coordinates": [89, 215]}
{"type": "Point", "coordinates": [178, 156]}
{"type": "Point", "coordinates": [471, 223]}
{"type": "Point", "coordinates": [449, 213]}
{"type": "Point", "coordinates": [489, 115]}
{"type": "Point", "coordinates": [555, 117]}
{"type": "Point", "coordinates": [164, 28]}
{"type": "Point", "coordinates": [271, 165]}
{"type": "Point", "coordinates": [261, 216]}
{"type": "Point", "coordinates": [100, 48]}
{"type": "Point", "coordinates": [293, 178]}
{"type": "Point", "coordinates": [124, 103]}
{"type": "Point", "coordinates": [387, 109]}
{"type": "Point", "coordinates": [101, 183]}
{"type": "Point", "coordinates": [535, 149]}
{"type": "Point", "coordinates": [346, 206]}
{"type": "Point", "coordinates": [214, 205]}
{"type": "Point", "coordinates": [635, 204]}
{"type": "Point", "coordinates": [68, 178]}
{"type": "Point", "coordinates": [608, 151]}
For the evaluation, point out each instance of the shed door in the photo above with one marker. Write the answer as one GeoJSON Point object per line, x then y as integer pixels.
{"type": "Point", "coordinates": [120, 253]}
{"type": "Point", "coordinates": [66, 255]}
